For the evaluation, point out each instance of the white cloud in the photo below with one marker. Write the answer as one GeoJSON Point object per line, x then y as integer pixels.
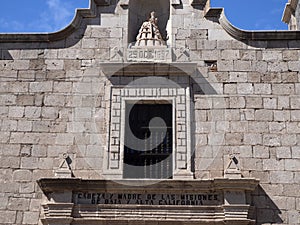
{"type": "Point", "coordinates": [56, 16]}
{"type": "Point", "coordinates": [60, 12]}
{"type": "Point", "coordinates": [11, 24]}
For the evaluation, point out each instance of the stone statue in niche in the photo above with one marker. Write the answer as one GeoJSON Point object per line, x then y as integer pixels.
{"type": "Point", "coordinates": [149, 34]}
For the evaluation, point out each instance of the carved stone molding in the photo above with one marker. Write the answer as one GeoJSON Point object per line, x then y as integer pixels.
{"type": "Point", "coordinates": [57, 213]}
{"type": "Point", "coordinates": [216, 201]}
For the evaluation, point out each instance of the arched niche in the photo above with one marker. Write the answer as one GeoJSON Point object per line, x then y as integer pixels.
{"type": "Point", "coordinates": [139, 11]}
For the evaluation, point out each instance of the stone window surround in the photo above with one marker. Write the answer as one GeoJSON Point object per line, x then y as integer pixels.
{"type": "Point", "coordinates": [180, 99]}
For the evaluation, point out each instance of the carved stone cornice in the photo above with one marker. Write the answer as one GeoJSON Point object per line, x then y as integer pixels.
{"type": "Point", "coordinates": [49, 185]}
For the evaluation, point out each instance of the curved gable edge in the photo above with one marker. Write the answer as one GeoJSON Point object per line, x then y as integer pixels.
{"type": "Point", "coordinates": [90, 12]}
{"type": "Point", "coordinates": [247, 35]}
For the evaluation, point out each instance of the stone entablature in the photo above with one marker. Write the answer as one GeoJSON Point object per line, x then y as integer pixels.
{"type": "Point", "coordinates": [218, 201]}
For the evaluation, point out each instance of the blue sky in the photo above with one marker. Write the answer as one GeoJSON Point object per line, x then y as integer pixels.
{"type": "Point", "coordinates": [53, 15]}
{"type": "Point", "coordinates": [254, 14]}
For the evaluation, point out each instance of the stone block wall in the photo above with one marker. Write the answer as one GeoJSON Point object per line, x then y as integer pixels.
{"type": "Point", "coordinates": [55, 99]}
{"type": "Point", "coordinates": [297, 14]}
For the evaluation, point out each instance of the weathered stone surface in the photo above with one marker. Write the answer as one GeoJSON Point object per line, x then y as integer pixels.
{"type": "Point", "coordinates": [56, 97]}
{"type": "Point", "coordinates": [30, 217]}
{"type": "Point", "coordinates": [8, 217]}
{"type": "Point", "coordinates": [18, 204]}
{"type": "Point", "coordinates": [22, 175]}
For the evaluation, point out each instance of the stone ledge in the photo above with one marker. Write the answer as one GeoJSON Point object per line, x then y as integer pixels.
{"type": "Point", "coordinates": [212, 214]}
{"type": "Point", "coordinates": [77, 184]}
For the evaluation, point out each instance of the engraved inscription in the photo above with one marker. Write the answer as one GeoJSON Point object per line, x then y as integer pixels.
{"type": "Point", "coordinates": [144, 55]}
{"type": "Point", "coordinates": [148, 199]}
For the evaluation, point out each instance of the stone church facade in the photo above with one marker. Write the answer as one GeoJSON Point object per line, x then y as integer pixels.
{"type": "Point", "coordinates": [151, 113]}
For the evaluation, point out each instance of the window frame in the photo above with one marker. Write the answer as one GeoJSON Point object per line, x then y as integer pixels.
{"type": "Point", "coordinates": [179, 97]}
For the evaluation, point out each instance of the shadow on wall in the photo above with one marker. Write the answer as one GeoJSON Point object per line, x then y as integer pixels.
{"type": "Point", "coordinates": [266, 210]}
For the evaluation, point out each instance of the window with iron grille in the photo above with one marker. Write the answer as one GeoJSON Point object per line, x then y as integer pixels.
{"type": "Point", "coordinates": [148, 148]}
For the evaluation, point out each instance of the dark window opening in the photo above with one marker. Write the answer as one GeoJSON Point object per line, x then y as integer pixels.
{"type": "Point", "coordinates": [148, 150]}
